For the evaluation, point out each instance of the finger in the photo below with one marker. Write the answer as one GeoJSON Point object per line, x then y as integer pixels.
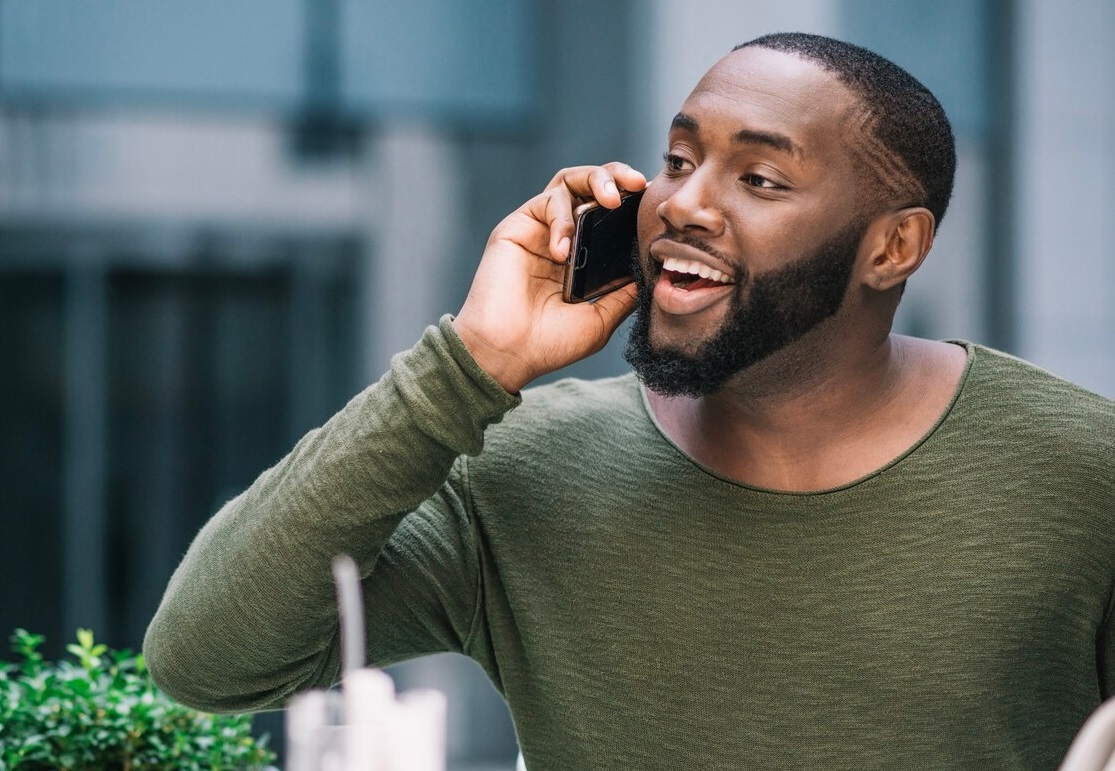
{"type": "Point", "coordinates": [626, 177]}
{"type": "Point", "coordinates": [599, 183]}
{"type": "Point", "coordinates": [523, 229]}
{"type": "Point", "coordinates": [558, 216]}
{"type": "Point", "coordinates": [574, 178]}
{"type": "Point", "coordinates": [595, 183]}
{"type": "Point", "coordinates": [553, 210]}
{"type": "Point", "coordinates": [529, 226]}
{"type": "Point", "coordinates": [615, 306]}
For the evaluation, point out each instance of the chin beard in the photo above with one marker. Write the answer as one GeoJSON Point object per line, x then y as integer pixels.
{"type": "Point", "coordinates": [768, 312]}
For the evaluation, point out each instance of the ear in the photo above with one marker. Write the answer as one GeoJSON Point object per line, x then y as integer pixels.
{"type": "Point", "coordinates": [897, 242]}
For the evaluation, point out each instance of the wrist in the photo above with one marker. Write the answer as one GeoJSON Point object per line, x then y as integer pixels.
{"type": "Point", "coordinates": [507, 369]}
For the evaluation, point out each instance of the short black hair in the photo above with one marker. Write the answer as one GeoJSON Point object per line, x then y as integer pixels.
{"type": "Point", "coordinates": [899, 113]}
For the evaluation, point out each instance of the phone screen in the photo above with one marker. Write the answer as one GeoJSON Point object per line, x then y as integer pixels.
{"type": "Point", "coordinates": [603, 249]}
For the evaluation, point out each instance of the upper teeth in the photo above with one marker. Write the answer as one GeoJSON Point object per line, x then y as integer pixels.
{"type": "Point", "coordinates": [696, 268]}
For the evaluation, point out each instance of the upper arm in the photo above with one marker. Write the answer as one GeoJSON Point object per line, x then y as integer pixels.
{"type": "Point", "coordinates": [421, 595]}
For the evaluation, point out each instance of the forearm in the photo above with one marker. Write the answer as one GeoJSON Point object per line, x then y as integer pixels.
{"type": "Point", "coordinates": [249, 615]}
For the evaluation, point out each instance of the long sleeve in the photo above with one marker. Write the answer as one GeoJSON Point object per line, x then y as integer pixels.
{"type": "Point", "coordinates": [249, 616]}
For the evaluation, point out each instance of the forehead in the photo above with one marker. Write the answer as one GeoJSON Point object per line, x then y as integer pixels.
{"type": "Point", "coordinates": [760, 89]}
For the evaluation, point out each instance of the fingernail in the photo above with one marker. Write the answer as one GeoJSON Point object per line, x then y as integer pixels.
{"type": "Point", "coordinates": [564, 245]}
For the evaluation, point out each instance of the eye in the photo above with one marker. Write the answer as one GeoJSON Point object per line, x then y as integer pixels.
{"type": "Point", "coordinates": [758, 180]}
{"type": "Point", "coordinates": [675, 163]}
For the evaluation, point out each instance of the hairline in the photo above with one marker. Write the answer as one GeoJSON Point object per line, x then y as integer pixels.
{"type": "Point", "coordinates": [883, 198]}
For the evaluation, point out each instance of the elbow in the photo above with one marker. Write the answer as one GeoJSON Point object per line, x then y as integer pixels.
{"type": "Point", "coordinates": [210, 678]}
{"type": "Point", "coordinates": [176, 672]}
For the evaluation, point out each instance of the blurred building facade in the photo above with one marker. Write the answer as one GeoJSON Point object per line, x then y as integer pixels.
{"type": "Point", "coordinates": [219, 222]}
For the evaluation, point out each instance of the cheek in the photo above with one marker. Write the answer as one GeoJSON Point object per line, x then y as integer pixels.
{"type": "Point", "coordinates": [649, 223]}
{"type": "Point", "coordinates": [772, 236]}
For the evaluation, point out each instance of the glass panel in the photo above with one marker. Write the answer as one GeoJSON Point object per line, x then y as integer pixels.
{"type": "Point", "coordinates": [943, 43]}
{"type": "Point", "coordinates": [249, 49]}
{"type": "Point", "coordinates": [468, 60]}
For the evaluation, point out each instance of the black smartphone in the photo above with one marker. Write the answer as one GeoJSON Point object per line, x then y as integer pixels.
{"type": "Point", "coordinates": [603, 249]}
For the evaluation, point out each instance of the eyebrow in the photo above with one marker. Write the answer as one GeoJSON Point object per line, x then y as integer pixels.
{"type": "Point", "coordinates": [771, 139]}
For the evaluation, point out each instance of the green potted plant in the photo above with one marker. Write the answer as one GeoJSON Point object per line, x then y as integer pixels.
{"type": "Point", "coordinates": [100, 711]}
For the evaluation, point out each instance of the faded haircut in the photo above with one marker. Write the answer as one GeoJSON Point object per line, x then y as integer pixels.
{"type": "Point", "coordinates": [906, 140]}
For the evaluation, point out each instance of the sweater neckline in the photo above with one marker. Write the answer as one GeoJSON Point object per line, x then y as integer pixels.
{"type": "Point", "coordinates": [971, 351]}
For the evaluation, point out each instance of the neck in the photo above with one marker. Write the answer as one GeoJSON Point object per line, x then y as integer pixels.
{"type": "Point", "coordinates": [811, 420]}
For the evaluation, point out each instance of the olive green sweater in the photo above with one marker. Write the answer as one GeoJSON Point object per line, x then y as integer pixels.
{"type": "Point", "coordinates": [953, 610]}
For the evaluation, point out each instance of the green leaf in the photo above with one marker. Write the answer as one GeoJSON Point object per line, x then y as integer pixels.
{"type": "Point", "coordinates": [103, 709]}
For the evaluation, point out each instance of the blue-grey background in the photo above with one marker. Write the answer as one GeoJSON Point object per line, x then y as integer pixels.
{"type": "Point", "coordinates": [218, 220]}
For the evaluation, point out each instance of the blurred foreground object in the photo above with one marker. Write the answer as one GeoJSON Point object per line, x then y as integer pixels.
{"type": "Point", "coordinates": [1093, 749]}
{"type": "Point", "coordinates": [364, 727]}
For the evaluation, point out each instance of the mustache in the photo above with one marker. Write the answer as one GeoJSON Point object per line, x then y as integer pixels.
{"type": "Point", "coordinates": [670, 234]}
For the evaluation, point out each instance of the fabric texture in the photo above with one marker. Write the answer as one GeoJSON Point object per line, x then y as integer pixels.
{"type": "Point", "coordinates": [952, 610]}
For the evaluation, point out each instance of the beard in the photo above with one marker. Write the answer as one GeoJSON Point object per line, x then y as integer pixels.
{"type": "Point", "coordinates": [768, 312]}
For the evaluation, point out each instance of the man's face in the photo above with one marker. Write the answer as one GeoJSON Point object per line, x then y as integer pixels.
{"type": "Point", "coordinates": [767, 312]}
{"type": "Point", "coordinates": [748, 237]}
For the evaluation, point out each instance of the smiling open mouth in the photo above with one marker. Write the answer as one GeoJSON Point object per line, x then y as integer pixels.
{"type": "Point", "coordinates": [691, 275]}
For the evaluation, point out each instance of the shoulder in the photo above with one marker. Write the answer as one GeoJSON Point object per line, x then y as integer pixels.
{"type": "Point", "coordinates": [1017, 384]}
{"type": "Point", "coordinates": [569, 417]}
{"type": "Point", "coordinates": [1019, 438]}
{"type": "Point", "coordinates": [571, 412]}
{"type": "Point", "coordinates": [1009, 398]}
{"type": "Point", "coordinates": [578, 402]}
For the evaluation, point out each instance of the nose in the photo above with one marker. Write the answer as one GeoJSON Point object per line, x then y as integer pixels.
{"type": "Point", "coordinates": [691, 205]}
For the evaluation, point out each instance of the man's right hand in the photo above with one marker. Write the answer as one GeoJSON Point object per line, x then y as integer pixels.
{"type": "Point", "coordinates": [514, 321]}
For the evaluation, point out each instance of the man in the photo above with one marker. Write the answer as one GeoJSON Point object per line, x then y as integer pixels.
{"type": "Point", "coordinates": [795, 540]}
